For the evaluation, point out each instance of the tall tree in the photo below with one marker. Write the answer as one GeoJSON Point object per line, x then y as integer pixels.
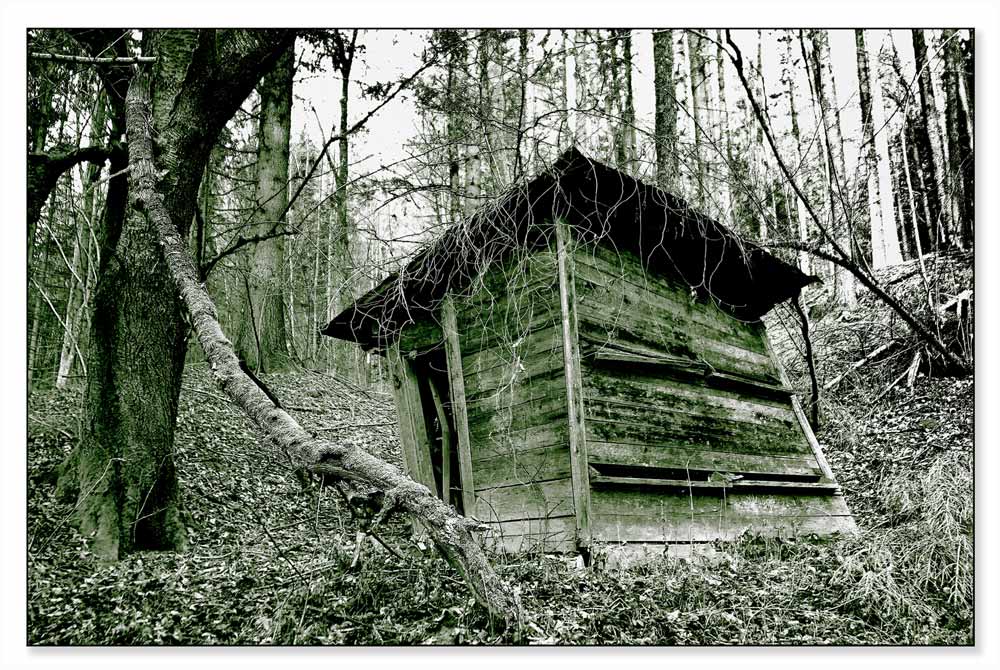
{"type": "Point", "coordinates": [627, 143]}
{"type": "Point", "coordinates": [877, 187]}
{"type": "Point", "coordinates": [930, 138]}
{"type": "Point", "coordinates": [828, 113]}
{"type": "Point", "coordinates": [961, 165]}
{"type": "Point", "coordinates": [699, 117]}
{"type": "Point", "coordinates": [665, 131]}
{"type": "Point", "coordinates": [788, 77]}
{"type": "Point", "coordinates": [261, 340]}
{"type": "Point", "coordinates": [122, 469]}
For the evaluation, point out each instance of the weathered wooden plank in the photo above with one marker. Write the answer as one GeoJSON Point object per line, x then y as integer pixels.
{"type": "Point", "coordinates": [625, 423]}
{"type": "Point", "coordinates": [534, 391]}
{"type": "Point", "coordinates": [481, 333]}
{"type": "Point", "coordinates": [414, 438]}
{"type": "Point", "coordinates": [647, 326]}
{"type": "Point", "coordinates": [459, 409]}
{"type": "Point", "coordinates": [548, 461]}
{"type": "Point", "coordinates": [680, 458]}
{"type": "Point", "coordinates": [516, 271]}
{"type": "Point", "coordinates": [574, 382]}
{"type": "Point", "coordinates": [618, 528]}
{"type": "Point", "coordinates": [504, 443]}
{"type": "Point", "coordinates": [656, 504]}
{"type": "Point", "coordinates": [551, 535]}
{"type": "Point", "coordinates": [718, 487]}
{"type": "Point", "coordinates": [420, 335]}
{"type": "Point", "coordinates": [800, 417]}
{"type": "Point", "coordinates": [536, 500]}
{"type": "Point", "coordinates": [695, 396]}
{"type": "Point", "coordinates": [447, 439]}
{"type": "Point", "coordinates": [621, 272]}
{"type": "Point", "coordinates": [501, 381]}
{"type": "Point", "coordinates": [544, 344]}
{"type": "Point", "coordinates": [509, 420]}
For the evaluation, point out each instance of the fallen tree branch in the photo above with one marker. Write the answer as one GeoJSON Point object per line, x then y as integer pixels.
{"type": "Point", "coordinates": [454, 535]}
{"type": "Point", "coordinates": [858, 364]}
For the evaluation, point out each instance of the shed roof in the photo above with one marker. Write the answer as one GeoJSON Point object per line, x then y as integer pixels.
{"type": "Point", "coordinates": [601, 204]}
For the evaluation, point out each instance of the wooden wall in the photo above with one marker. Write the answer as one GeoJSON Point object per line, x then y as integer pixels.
{"type": "Point", "coordinates": [673, 389]}
{"type": "Point", "coordinates": [511, 346]}
{"type": "Point", "coordinates": [698, 393]}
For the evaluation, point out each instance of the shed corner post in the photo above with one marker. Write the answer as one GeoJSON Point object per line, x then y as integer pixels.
{"type": "Point", "coordinates": [574, 384]}
{"type": "Point", "coordinates": [460, 412]}
{"type": "Point", "coordinates": [414, 442]}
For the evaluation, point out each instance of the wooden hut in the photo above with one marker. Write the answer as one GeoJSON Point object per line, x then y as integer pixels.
{"type": "Point", "coordinates": [583, 361]}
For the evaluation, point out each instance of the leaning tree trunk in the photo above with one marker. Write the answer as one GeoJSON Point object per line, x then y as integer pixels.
{"type": "Point", "coordinates": [262, 333]}
{"type": "Point", "coordinates": [453, 534]}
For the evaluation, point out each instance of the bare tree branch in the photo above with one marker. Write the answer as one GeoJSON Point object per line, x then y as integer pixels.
{"type": "Point", "coordinates": [839, 255]}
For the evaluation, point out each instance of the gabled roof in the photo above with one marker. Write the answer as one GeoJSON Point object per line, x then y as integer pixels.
{"type": "Point", "coordinates": [602, 205]}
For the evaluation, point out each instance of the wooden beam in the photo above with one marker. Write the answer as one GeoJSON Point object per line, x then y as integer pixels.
{"type": "Point", "coordinates": [800, 415]}
{"type": "Point", "coordinates": [447, 439]}
{"type": "Point", "coordinates": [848, 524]}
{"type": "Point", "coordinates": [414, 439]}
{"type": "Point", "coordinates": [459, 408]}
{"type": "Point", "coordinates": [754, 484]}
{"type": "Point", "coordinates": [574, 383]}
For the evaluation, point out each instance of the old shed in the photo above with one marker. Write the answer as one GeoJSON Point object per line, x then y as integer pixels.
{"type": "Point", "coordinates": [583, 361]}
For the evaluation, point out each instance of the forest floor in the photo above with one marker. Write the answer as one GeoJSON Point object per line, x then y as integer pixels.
{"type": "Point", "coordinates": [269, 560]}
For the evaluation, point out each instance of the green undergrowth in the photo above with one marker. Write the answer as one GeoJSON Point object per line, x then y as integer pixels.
{"type": "Point", "coordinates": [269, 559]}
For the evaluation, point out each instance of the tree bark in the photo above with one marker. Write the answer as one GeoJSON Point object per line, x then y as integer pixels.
{"type": "Point", "coordinates": [931, 141]}
{"type": "Point", "coordinates": [829, 115]}
{"type": "Point", "coordinates": [699, 107]}
{"type": "Point", "coordinates": [665, 131]}
{"type": "Point", "coordinates": [262, 343]}
{"type": "Point", "coordinates": [800, 210]}
{"type": "Point", "coordinates": [628, 141]}
{"type": "Point", "coordinates": [454, 535]}
{"type": "Point", "coordinates": [961, 163]}
{"type": "Point", "coordinates": [122, 469]}
{"type": "Point", "coordinates": [877, 187]}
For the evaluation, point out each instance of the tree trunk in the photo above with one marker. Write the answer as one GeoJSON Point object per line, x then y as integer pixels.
{"type": "Point", "coordinates": [522, 73]}
{"type": "Point", "coordinates": [829, 116]}
{"type": "Point", "coordinates": [800, 210]}
{"type": "Point", "coordinates": [452, 534]}
{"type": "Point", "coordinates": [628, 141]}
{"type": "Point", "coordinates": [123, 468]}
{"type": "Point", "coordinates": [931, 141]}
{"type": "Point", "coordinates": [961, 163]}
{"type": "Point", "coordinates": [877, 188]}
{"type": "Point", "coordinates": [699, 106]}
{"type": "Point", "coordinates": [666, 109]}
{"type": "Point", "coordinates": [261, 340]}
